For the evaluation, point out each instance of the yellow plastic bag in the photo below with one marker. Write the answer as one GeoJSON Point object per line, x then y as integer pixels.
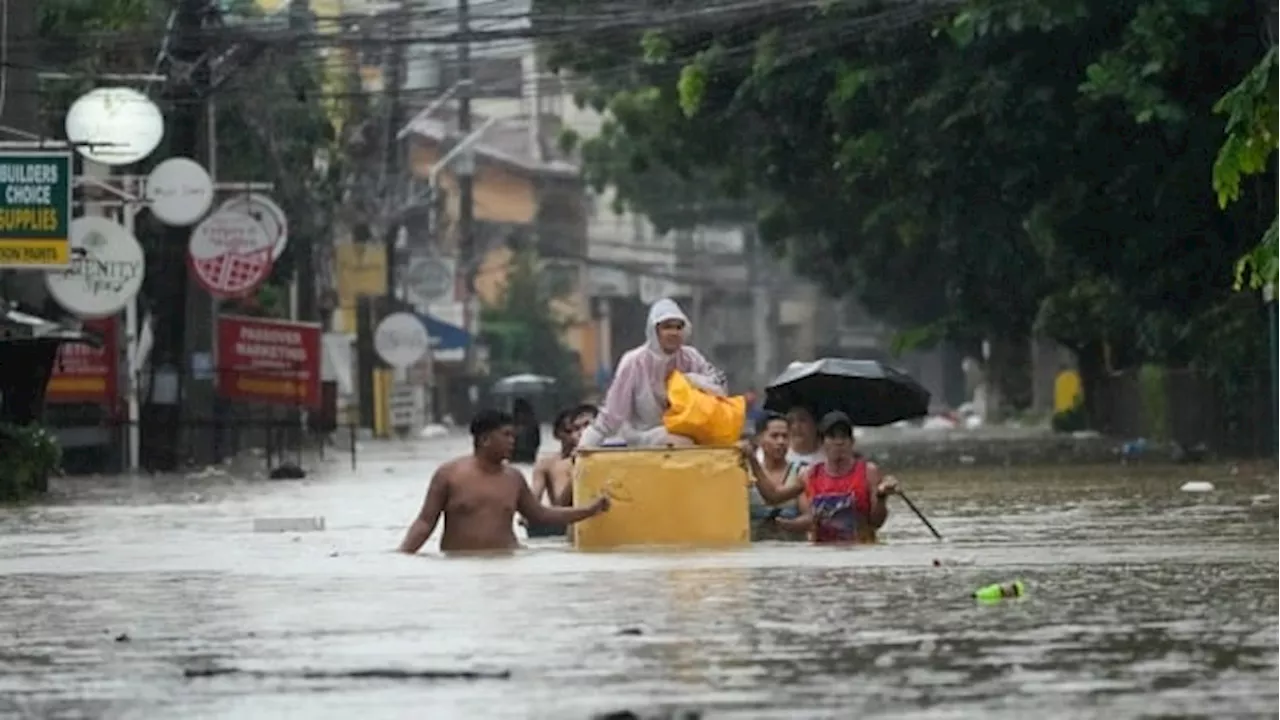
{"type": "Point", "coordinates": [704, 417]}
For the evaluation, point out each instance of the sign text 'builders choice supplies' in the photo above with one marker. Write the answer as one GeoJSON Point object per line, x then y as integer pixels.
{"type": "Point", "coordinates": [269, 361]}
{"type": "Point", "coordinates": [85, 374]}
{"type": "Point", "coordinates": [35, 209]}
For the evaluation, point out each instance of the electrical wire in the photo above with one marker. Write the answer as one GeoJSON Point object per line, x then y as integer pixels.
{"type": "Point", "coordinates": [801, 33]}
{"type": "Point", "coordinates": [730, 59]}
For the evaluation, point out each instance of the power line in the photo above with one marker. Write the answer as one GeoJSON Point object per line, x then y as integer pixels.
{"type": "Point", "coordinates": [731, 58]}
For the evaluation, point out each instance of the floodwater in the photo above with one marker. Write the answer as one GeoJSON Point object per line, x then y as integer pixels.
{"type": "Point", "coordinates": [1143, 601]}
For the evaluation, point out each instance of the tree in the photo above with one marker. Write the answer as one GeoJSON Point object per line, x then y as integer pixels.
{"type": "Point", "coordinates": [963, 176]}
{"type": "Point", "coordinates": [523, 333]}
{"type": "Point", "coordinates": [272, 118]}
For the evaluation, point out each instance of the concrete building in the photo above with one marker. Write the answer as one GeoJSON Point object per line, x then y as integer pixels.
{"type": "Point", "coordinates": [752, 314]}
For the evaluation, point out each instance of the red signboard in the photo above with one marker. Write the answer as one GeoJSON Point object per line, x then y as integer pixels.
{"type": "Point", "coordinates": [269, 361]}
{"type": "Point", "coordinates": [85, 374]}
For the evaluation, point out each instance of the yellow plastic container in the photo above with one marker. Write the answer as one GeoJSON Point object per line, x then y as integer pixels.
{"type": "Point", "coordinates": [686, 497]}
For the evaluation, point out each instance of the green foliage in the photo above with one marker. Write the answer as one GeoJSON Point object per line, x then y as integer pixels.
{"type": "Point", "coordinates": [523, 334]}
{"type": "Point", "coordinates": [1010, 166]}
{"type": "Point", "coordinates": [86, 37]}
{"type": "Point", "coordinates": [30, 455]}
{"type": "Point", "coordinates": [271, 118]}
{"type": "Point", "coordinates": [1251, 108]}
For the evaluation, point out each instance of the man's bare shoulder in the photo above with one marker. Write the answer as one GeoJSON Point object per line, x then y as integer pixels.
{"type": "Point", "coordinates": [545, 462]}
{"type": "Point", "coordinates": [448, 469]}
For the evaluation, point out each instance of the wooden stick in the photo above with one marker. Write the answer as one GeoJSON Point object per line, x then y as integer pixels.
{"type": "Point", "coordinates": [920, 515]}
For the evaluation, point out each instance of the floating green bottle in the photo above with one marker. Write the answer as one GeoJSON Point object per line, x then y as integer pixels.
{"type": "Point", "coordinates": [1000, 591]}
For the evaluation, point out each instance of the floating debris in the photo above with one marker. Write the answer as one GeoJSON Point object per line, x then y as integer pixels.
{"type": "Point", "coordinates": [358, 674]}
{"type": "Point", "coordinates": [1197, 486]}
{"type": "Point", "coordinates": [661, 715]}
{"type": "Point", "coordinates": [287, 471]}
{"type": "Point", "coordinates": [1000, 591]}
{"type": "Point", "coordinates": [277, 525]}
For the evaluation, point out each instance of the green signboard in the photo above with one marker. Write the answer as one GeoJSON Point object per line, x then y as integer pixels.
{"type": "Point", "coordinates": [35, 209]}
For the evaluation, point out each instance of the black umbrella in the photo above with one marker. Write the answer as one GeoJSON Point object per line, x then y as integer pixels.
{"type": "Point", "coordinates": [870, 392]}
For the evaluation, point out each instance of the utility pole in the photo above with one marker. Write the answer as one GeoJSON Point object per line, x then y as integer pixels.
{"type": "Point", "coordinates": [464, 172]}
{"type": "Point", "coordinates": [176, 307]}
{"type": "Point", "coordinates": [301, 20]}
{"type": "Point", "coordinates": [390, 176]}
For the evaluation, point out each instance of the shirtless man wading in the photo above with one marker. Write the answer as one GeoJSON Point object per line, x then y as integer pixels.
{"type": "Point", "coordinates": [480, 494]}
{"type": "Point", "coordinates": [553, 473]}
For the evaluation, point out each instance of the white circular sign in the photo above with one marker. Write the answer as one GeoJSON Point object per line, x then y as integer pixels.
{"type": "Point", "coordinates": [114, 125]}
{"type": "Point", "coordinates": [268, 213]}
{"type": "Point", "coordinates": [431, 279]}
{"type": "Point", "coordinates": [401, 339]}
{"type": "Point", "coordinates": [179, 191]}
{"type": "Point", "coordinates": [230, 254]}
{"type": "Point", "coordinates": [106, 270]}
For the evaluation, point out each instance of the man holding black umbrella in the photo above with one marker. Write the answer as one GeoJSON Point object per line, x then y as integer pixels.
{"type": "Point", "coordinates": [842, 498]}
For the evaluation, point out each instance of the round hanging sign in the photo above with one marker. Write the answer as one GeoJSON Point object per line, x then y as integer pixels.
{"type": "Point", "coordinates": [268, 213]}
{"type": "Point", "coordinates": [114, 125]}
{"type": "Point", "coordinates": [106, 270]}
{"type": "Point", "coordinates": [179, 191]}
{"type": "Point", "coordinates": [229, 254]}
{"type": "Point", "coordinates": [401, 339]}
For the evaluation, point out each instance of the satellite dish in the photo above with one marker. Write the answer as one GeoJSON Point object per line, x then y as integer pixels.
{"type": "Point", "coordinates": [179, 191]}
{"type": "Point", "coordinates": [114, 125]}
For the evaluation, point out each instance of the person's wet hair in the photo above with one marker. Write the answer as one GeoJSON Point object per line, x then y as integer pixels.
{"type": "Point", "coordinates": [564, 418]}
{"type": "Point", "coordinates": [586, 409]}
{"type": "Point", "coordinates": [489, 420]}
{"type": "Point", "coordinates": [762, 424]}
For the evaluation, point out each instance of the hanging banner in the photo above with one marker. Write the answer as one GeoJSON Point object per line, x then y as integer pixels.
{"type": "Point", "coordinates": [269, 361]}
{"type": "Point", "coordinates": [85, 374]}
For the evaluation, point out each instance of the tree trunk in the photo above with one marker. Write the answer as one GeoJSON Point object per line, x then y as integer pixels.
{"type": "Point", "coordinates": [1093, 375]}
{"type": "Point", "coordinates": [1008, 376]}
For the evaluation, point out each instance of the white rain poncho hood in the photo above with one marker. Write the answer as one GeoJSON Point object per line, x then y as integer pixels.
{"type": "Point", "coordinates": [660, 312]}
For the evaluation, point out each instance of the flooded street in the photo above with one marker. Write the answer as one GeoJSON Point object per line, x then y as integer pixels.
{"type": "Point", "coordinates": [1143, 601]}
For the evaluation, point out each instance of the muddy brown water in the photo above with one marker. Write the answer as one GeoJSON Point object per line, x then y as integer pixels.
{"type": "Point", "coordinates": [1144, 601]}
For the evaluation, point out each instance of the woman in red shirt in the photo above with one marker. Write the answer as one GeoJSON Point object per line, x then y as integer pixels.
{"type": "Point", "coordinates": [842, 499]}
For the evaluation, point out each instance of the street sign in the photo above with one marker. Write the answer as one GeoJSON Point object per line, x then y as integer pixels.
{"type": "Point", "coordinates": [179, 191]}
{"type": "Point", "coordinates": [35, 209]}
{"type": "Point", "coordinates": [105, 273]}
{"type": "Point", "coordinates": [85, 374]}
{"type": "Point", "coordinates": [404, 403]}
{"type": "Point", "coordinates": [114, 125]}
{"type": "Point", "coordinates": [269, 361]}
{"type": "Point", "coordinates": [229, 254]}
{"type": "Point", "coordinates": [268, 214]}
{"type": "Point", "coordinates": [401, 339]}
{"type": "Point", "coordinates": [430, 279]}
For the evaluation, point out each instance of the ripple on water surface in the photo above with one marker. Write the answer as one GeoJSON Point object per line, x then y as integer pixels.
{"type": "Point", "coordinates": [1144, 601]}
